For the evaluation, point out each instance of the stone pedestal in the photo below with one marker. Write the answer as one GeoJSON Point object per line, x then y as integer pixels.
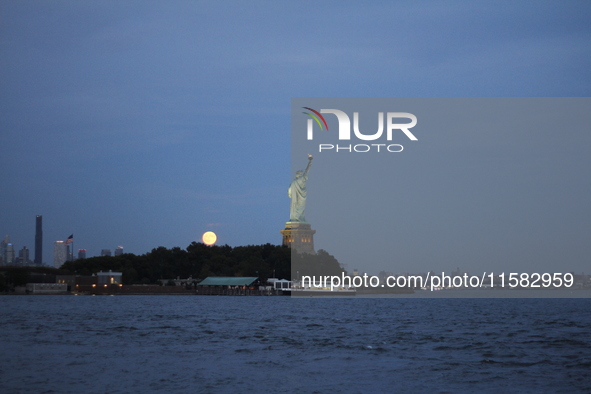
{"type": "Point", "coordinates": [299, 236]}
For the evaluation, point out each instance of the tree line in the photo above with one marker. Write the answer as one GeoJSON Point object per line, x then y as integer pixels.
{"type": "Point", "coordinates": [200, 261]}
{"type": "Point", "coordinates": [197, 260]}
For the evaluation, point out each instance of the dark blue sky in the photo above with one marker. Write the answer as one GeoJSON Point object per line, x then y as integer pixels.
{"type": "Point", "coordinates": [148, 123]}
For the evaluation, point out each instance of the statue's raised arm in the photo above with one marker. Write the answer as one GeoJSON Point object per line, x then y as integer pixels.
{"type": "Point", "coordinates": [298, 194]}
{"type": "Point", "coordinates": [309, 165]}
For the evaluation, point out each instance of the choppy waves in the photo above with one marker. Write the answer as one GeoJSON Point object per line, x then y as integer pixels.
{"type": "Point", "coordinates": [218, 344]}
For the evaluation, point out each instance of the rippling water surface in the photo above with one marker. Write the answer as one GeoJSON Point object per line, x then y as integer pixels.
{"type": "Point", "coordinates": [219, 344]}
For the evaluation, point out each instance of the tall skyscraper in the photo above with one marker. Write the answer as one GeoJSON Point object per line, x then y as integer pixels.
{"type": "Point", "coordinates": [60, 253]}
{"type": "Point", "coordinates": [39, 240]}
{"type": "Point", "coordinates": [81, 253]}
{"type": "Point", "coordinates": [106, 252]}
{"type": "Point", "coordinates": [119, 251]}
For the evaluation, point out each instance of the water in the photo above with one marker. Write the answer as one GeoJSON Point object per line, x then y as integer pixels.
{"type": "Point", "coordinates": [103, 344]}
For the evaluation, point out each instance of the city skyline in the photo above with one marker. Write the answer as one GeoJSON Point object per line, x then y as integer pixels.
{"type": "Point", "coordinates": [147, 124]}
{"type": "Point", "coordinates": [8, 248]}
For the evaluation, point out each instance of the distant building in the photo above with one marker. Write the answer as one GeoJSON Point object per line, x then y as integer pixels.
{"type": "Point", "coordinates": [9, 254]}
{"type": "Point", "coordinates": [60, 253]}
{"type": "Point", "coordinates": [106, 252]}
{"type": "Point", "coordinates": [39, 241]}
{"type": "Point", "coordinates": [7, 251]}
{"type": "Point", "coordinates": [81, 253]}
{"type": "Point", "coordinates": [119, 251]}
{"type": "Point", "coordinates": [23, 257]}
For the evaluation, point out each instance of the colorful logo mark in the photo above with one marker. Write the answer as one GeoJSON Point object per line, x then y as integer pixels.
{"type": "Point", "coordinates": [313, 116]}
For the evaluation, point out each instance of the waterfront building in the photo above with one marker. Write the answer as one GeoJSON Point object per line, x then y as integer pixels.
{"type": "Point", "coordinates": [47, 288]}
{"type": "Point", "coordinates": [178, 281]}
{"type": "Point", "coordinates": [109, 278]}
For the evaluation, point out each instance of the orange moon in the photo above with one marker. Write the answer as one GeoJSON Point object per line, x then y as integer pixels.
{"type": "Point", "coordinates": [209, 238]}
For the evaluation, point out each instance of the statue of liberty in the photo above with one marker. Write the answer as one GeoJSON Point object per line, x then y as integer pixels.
{"type": "Point", "coordinates": [297, 193]}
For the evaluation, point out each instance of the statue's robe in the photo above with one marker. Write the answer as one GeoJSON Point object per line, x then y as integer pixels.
{"type": "Point", "coordinates": [297, 193]}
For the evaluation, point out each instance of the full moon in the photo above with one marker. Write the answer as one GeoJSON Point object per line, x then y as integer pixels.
{"type": "Point", "coordinates": [209, 238]}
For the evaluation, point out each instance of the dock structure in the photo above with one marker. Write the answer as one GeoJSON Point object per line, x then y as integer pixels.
{"type": "Point", "coordinates": [230, 285]}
